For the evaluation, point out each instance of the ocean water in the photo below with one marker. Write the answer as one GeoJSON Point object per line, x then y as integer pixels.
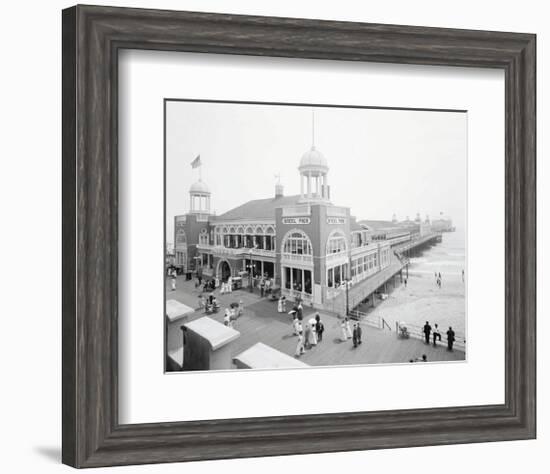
{"type": "Point", "coordinates": [447, 258]}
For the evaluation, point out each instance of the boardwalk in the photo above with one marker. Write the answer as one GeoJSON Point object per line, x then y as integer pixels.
{"type": "Point", "coordinates": [262, 323]}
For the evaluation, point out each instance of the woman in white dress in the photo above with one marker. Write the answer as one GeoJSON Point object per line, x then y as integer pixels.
{"type": "Point", "coordinates": [307, 335]}
{"type": "Point", "coordinates": [300, 346]}
{"type": "Point", "coordinates": [344, 332]}
{"type": "Point", "coordinates": [348, 328]}
{"type": "Point", "coordinates": [229, 285]}
{"type": "Point", "coordinates": [280, 305]}
{"type": "Point", "coordinates": [313, 323]}
{"type": "Point", "coordinates": [296, 324]}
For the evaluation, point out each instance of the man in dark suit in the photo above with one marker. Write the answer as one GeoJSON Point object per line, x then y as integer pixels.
{"type": "Point", "coordinates": [427, 330]}
{"type": "Point", "coordinates": [450, 338]}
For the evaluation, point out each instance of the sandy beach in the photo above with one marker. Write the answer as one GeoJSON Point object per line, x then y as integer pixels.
{"type": "Point", "coordinates": [421, 299]}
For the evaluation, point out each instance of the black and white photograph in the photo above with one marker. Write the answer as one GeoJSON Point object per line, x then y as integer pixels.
{"type": "Point", "coordinates": [275, 237]}
{"type": "Point", "coordinates": [307, 235]}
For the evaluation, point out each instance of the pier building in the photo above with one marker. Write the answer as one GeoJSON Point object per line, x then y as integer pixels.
{"type": "Point", "coordinates": [311, 248]}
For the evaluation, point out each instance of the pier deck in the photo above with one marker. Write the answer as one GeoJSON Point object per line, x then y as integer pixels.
{"type": "Point", "coordinates": [262, 323]}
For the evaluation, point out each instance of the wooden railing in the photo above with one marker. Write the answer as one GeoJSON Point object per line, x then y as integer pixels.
{"type": "Point", "coordinates": [418, 333]}
{"type": "Point", "coordinates": [371, 320]}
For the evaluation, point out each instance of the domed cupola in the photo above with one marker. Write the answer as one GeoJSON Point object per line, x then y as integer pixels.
{"type": "Point", "coordinates": [313, 159]}
{"type": "Point", "coordinates": [199, 187]}
{"type": "Point", "coordinates": [313, 172]}
{"type": "Point", "coordinates": [199, 194]}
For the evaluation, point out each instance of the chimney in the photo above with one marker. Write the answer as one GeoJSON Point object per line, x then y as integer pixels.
{"type": "Point", "coordinates": [278, 190]}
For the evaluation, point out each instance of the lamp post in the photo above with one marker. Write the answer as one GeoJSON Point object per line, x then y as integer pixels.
{"type": "Point", "coordinates": [250, 288]}
{"type": "Point", "coordinates": [347, 296]}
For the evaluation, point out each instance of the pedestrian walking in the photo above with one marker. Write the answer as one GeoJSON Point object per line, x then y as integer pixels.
{"type": "Point", "coordinates": [427, 330]}
{"type": "Point", "coordinates": [359, 334]}
{"type": "Point", "coordinates": [300, 310]}
{"type": "Point", "coordinates": [319, 327]}
{"type": "Point", "coordinates": [436, 334]}
{"type": "Point", "coordinates": [405, 281]}
{"type": "Point", "coordinates": [229, 285]}
{"type": "Point", "coordinates": [307, 335]}
{"type": "Point", "coordinates": [344, 333]}
{"type": "Point", "coordinates": [450, 338]}
{"type": "Point", "coordinates": [262, 287]}
{"type": "Point", "coordinates": [173, 281]}
{"type": "Point", "coordinates": [355, 336]}
{"type": "Point", "coordinates": [312, 323]}
{"type": "Point", "coordinates": [295, 323]}
{"type": "Point", "coordinates": [201, 302]}
{"type": "Point", "coordinates": [300, 346]}
{"type": "Point", "coordinates": [280, 305]}
{"type": "Point", "coordinates": [348, 328]}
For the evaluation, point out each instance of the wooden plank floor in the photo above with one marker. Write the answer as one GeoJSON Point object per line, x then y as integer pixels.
{"type": "Point", "coordinates": [262, 323]}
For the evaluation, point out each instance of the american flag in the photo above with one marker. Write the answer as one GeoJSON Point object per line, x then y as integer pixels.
{"type": "Point", "coordinates": [196, 162]}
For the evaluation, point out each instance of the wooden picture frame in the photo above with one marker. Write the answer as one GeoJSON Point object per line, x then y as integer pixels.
{"type": "Point", "coordinates": [92, 434]}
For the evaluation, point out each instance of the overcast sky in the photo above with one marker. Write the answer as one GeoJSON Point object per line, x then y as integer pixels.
{"type": "Point", "coordinates": [381, 161]}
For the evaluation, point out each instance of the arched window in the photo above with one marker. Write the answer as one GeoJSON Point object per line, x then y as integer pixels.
{"type": "Point", "coordinates": [297, 242]}
{"type": "Point", "coordinates": [336, 242]}
{"type": "Point", "coordinates": [259, 230]}
{"type": "Point", "coordinates": [270, 231]}
{"type": "Point", "coordinates": [249, 230]}
{"type": "Point", "coordinates": [240, 230]}
{"type": "Point", "coordinates": [203, 237]}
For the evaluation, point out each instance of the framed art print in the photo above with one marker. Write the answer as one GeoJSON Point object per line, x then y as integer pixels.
{"type": "Point", "coordinates": [293, 236]}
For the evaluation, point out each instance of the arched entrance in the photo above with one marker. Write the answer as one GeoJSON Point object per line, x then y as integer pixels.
{"type": "Point", "coordinates": [224, 270]}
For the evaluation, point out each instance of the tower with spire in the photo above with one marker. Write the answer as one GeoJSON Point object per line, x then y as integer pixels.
{"type": "Point", "coordinates": [199, 193]}
{"type": "Point", "coordinates": [313, 172]}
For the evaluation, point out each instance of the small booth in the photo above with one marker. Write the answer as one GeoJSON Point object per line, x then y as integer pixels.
{"type": "Point", "coordinates": [207, 345]}
{"type": "Point", "coordinates": [262, 356]}
{"type": "Point", "coordinates": [176, 310]}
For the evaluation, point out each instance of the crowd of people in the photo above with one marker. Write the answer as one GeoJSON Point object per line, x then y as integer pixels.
{"type": "Point", "coordinates": [434, 333]}
{"type": "Point", "coordinates": [310, 332]}
{"type": "Point", "coordinates": [347, 332]}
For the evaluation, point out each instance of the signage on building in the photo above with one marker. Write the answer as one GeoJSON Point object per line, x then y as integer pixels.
{"type": "Point", "coordinates": [296, 220]}
{"type": "Point", "coordinates": [336, 220]}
